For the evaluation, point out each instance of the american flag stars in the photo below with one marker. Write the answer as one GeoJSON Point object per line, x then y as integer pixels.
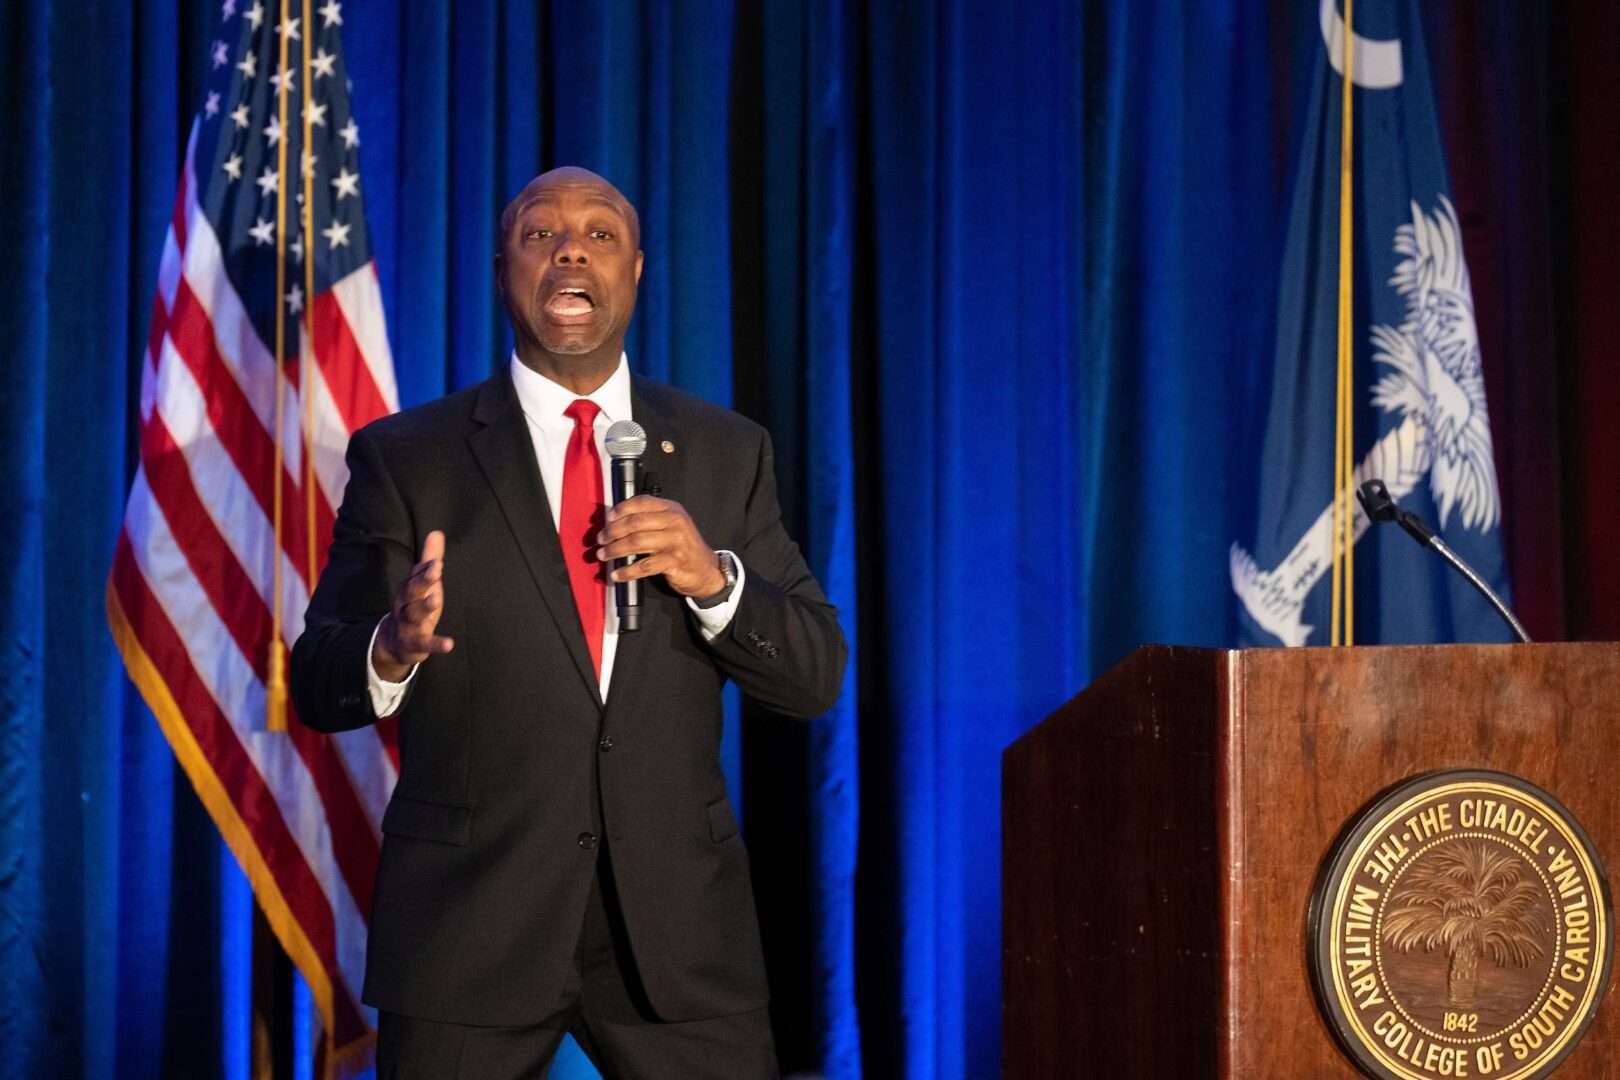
{"type": "Point", "coordinates": [346, 183]}
{"type": "Point", "coordinates": [265, 145]}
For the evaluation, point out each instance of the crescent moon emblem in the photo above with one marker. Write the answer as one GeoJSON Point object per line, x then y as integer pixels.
{"type": "Point", "coordinates": [1377, 63]}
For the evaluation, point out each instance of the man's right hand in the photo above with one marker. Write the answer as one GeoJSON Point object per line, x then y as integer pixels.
{"type": "Point", "coordinates": [406, 636]}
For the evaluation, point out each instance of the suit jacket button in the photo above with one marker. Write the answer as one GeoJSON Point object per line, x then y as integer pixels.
{"type": "Point", "coordinates": [605, 744]}
{"type": "Point", "coordinates": [587, 840]}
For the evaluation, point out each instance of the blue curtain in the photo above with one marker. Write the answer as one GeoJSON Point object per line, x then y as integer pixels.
{"type": "Point", "coordinates": [999, 277]}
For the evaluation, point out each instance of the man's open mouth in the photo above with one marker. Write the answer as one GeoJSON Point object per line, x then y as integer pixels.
{"type": "Point", "coordinates": [570, 302]}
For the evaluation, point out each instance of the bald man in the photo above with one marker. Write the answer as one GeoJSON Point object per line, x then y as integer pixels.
{"type": "Point", "coordinates": [559, 854]}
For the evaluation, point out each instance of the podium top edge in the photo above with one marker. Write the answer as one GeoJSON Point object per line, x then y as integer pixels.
{"type": "Point", "coordinates": [1210, 650]}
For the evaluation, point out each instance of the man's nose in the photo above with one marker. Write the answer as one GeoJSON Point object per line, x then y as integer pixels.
{"type": "Point", "coordinates": [569, 250]}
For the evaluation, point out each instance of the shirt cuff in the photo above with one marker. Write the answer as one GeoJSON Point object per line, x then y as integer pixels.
{"type": "Point", "coordinates": [712, 622]}
{"type": "Point", "coordinates": [385, 695]}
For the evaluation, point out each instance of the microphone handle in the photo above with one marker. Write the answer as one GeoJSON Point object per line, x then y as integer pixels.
{"type": "Point", "coordinates": [626, 594]}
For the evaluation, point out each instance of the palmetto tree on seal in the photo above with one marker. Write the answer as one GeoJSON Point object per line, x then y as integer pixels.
{"type": "Point", "coordinates": [1468, 898]}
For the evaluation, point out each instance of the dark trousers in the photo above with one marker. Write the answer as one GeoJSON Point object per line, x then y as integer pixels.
{"type": "Point", "coordinates": [603, 1007]}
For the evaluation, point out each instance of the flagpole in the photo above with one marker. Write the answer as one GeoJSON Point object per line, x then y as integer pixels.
{"type": "Point", "coordinates": [325, 1062]}
{"type": "Point", "coordinates": [306, 380]}
{"type": "Point", "coordinates": [276, 683]}
{"type": "Point", "coordinates": [1344, 538]}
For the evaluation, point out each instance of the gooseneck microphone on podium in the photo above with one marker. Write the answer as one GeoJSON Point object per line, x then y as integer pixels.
{"type": "Point", "coordinates": [626, 442]}
{"type": "Point", "coordinates": [1381, 507]}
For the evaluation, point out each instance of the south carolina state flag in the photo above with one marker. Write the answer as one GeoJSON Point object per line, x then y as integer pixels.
{"type": "Point", "coordinates": [1418, 390]}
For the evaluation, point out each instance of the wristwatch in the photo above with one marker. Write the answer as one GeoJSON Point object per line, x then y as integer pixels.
{"type": "Point", "coordinates": [728, 567]}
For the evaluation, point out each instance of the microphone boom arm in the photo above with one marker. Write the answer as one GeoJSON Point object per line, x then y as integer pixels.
{"type": "Point", "coordinates": [1479, 583]}
{"type": "Point", "coordinates": [1380, 507]}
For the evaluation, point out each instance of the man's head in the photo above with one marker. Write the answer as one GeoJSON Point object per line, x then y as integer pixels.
{"type": "Point", "coordinates": [567, 270]}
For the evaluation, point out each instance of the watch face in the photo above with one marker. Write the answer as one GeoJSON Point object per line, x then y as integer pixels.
{"type": "Point", "coordinates": [728, 567]}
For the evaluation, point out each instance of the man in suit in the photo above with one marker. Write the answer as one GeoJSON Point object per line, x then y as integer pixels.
{"type": "Point", "coordinates": [559, 854]}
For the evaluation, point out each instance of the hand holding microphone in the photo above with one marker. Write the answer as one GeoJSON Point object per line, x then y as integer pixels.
{"type": "Point", "coordinates": [647, 536]}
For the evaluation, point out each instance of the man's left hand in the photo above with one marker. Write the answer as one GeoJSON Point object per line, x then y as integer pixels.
{"type": "Point", "coordinates": [667, 542]}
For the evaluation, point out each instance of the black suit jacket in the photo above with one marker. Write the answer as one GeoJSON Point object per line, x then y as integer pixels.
{"type": "Point", "coordinates": [483, 880]}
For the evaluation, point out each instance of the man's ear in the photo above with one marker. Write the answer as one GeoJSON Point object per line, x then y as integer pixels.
{"type": "Point", "coordinates": [639, 259]}
{"type": "Point", "coordinates": [500, 276]}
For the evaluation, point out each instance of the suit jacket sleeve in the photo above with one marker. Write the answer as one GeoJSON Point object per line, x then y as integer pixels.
{"type": "Point", "coordinates": [373, 549]}
{"type": "Point", "coordinates": [783, 647]}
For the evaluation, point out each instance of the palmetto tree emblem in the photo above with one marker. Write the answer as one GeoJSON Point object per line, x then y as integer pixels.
{"type": "Point", "coordinates": [1432, 387]}
{"type": "Point", "coordinates": [1432, 371]}
{"type": "Point", "coordinates": [1468, 899]}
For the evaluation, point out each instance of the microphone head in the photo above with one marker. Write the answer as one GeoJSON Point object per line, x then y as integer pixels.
{"type": "Point", "coordinates": [626, 439]}
{"type": "Point", "coordinates": [1377, 501]}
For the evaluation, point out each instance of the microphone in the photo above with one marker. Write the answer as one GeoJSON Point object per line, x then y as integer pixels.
{"type": "Point", "coordinates": [1381, 507]}
{"type": "Point", "coordinates": [626, 442]}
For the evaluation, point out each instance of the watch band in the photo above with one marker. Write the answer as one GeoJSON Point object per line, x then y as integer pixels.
{"type": "Point", "coordinates": [728, 567]}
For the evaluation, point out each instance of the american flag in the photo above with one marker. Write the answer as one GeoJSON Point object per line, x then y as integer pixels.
{"type": "Point", "coordinates": [241, 469]}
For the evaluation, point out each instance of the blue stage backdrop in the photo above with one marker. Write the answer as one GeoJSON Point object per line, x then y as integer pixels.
{"type": "Point", "coordinates": [1000, 277]}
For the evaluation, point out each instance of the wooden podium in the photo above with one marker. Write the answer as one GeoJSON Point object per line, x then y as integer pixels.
{"type": "Point", "coordinates": [1163, 831]}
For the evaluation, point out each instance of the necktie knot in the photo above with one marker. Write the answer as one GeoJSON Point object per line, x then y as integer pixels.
{"type": "Point", "coordinates": [583, 412]}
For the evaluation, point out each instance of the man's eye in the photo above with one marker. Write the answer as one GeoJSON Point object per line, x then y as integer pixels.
{"type": "Point", "coordinates": [601, 234]}
{"type": "Point", "coordinates": [539, 234]}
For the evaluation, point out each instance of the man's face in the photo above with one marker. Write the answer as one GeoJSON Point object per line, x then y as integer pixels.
{"type": "Point", "coordinates": [570, 264]}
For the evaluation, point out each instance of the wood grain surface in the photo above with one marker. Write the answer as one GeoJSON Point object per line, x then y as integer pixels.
{"type": "Point", "coordinates": [1163, 830]}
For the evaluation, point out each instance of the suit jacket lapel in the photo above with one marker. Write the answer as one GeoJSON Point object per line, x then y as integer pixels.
{"type": "Point", "coordinates": [652, 410]}
{"type": "Point", "coordinates": [505, 452]}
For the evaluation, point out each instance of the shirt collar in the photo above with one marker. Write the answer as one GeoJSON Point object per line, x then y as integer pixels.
{"type": "Point", "coordinates": [545, 402]}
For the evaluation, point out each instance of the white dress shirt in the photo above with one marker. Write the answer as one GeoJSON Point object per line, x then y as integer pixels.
{"type": "Point", "coordinates": [544, 405]}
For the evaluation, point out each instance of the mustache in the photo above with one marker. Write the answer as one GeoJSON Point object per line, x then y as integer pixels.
{"type": "Point", "coordinates": [553, 283]}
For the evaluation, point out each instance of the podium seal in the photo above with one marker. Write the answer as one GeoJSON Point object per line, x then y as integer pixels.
{"type": "Point", "coordinates": [1462, 926]}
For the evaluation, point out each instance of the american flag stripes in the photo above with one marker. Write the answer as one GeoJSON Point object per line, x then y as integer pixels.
{"type": "Point", "coordinates": [241, 470]}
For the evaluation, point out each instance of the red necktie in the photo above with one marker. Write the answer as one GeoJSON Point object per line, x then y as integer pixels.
{"type": "Point", "coordinates": [581, 520]}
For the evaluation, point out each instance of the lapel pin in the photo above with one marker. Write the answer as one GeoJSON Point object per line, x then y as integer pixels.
{"type": "Point", "coordinates": [669, 447]}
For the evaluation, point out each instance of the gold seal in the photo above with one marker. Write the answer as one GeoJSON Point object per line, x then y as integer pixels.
{"type": "Point", "coordinates": [1462, 927]}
